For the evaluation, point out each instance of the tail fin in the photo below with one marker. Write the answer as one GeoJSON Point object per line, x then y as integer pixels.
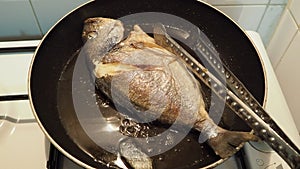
{"type": "Point", "coordinates": [226, 142]}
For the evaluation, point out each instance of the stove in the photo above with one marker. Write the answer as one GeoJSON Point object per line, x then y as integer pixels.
{"type": "Point", "coordinates": [23, 145]}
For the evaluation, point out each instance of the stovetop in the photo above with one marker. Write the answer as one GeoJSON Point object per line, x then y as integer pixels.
{"type": "Point", "coordinates": [23, 145]}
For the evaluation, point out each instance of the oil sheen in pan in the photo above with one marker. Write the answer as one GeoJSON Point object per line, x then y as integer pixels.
{"type": "Point", "coordinates": [189, 153]}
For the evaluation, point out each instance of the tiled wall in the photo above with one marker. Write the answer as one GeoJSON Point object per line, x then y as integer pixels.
{"type": "Point", "coordinates": [17, 20]}
{"type": "Point", "coordinates": [34, 17]}
{"type": "Point", "coordinates": [284, 53]}
{"type": "Point", "coordinates": [31, 19]}
{"type": "Point", "coordinates": [257, 15]}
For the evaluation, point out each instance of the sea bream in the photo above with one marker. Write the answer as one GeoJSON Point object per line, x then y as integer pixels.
{"type": "Point", "coordinates": [151, 82]}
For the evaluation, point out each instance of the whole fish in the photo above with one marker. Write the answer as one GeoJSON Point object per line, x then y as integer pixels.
{"type": "Point", "coordinates": [150, 82]}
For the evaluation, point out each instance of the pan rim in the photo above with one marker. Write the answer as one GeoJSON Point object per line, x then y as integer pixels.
{"type": "Point", "coordinates": [79, 162]}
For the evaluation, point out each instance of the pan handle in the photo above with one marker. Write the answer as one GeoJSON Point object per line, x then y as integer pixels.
{"type": "Point", "coordinates": [273, 137]}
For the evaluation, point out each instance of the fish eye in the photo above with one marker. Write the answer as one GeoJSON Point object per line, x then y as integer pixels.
{"type": "Point", "coordinates": [92, 35]}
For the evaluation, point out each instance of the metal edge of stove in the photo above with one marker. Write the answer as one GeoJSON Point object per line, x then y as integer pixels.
{"type": "Point", "coordinates": [14, 120]}
{"type": "Point", "coordinates": [19, 44]}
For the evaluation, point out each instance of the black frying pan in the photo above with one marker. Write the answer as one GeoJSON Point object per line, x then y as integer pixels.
{"type": "Point", "coordinates": [51, 72]}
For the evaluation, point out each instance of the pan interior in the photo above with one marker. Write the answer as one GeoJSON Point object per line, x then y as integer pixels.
{"type": "Point", "coordinates": [87, 129]}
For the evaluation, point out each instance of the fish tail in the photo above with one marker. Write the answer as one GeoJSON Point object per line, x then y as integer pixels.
{"type": "Point", "coordinates": [225, 143]}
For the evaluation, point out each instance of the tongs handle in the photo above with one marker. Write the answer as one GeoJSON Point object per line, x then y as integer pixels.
{"type": "Point", "coordinates": [258, 122]}
{"type": "Point", "coordinates": [208, 53]}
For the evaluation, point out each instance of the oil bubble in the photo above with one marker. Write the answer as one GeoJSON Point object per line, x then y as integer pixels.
{"type": "Point", "coordinates": [160, 158]}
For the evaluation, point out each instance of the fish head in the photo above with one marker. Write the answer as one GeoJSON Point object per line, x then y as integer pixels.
{"type": "Point", "coordinates": [102, 28]}
{"type": "Point", "coordinates": [100, 35]}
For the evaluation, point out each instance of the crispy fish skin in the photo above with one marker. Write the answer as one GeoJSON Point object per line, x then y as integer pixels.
{"type": "Point", "coordinates": [150, 80]}
{"type": "Point", "coordinates": [152, 83]}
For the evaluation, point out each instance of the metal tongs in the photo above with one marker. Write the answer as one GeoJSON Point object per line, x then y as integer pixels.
{"type": "Point", "coordinates": [237, 97]}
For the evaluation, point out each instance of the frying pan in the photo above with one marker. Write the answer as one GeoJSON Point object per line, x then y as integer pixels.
{"type": "Point", "coordinates": [50, 82]}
